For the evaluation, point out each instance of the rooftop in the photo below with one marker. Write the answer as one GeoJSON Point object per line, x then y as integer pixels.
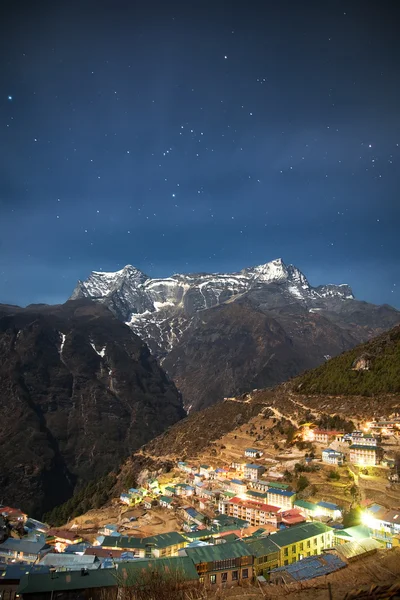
{"type": "Point", "coordinates": [299, 533]}
{"type": "Point", "coordinates": [207, 554]}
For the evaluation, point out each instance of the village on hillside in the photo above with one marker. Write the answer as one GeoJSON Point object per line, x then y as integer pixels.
{"type": "Point", "coordinates": [269, 513]}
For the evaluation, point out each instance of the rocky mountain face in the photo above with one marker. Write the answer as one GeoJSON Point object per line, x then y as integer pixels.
{"type": "Point", "coordinates": [219, 335]}
{"type": "Point", "coordinates": [79, 392]}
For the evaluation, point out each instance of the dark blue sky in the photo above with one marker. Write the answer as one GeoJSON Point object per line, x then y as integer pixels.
{"type": "Point", "coordinates": [199, 136]}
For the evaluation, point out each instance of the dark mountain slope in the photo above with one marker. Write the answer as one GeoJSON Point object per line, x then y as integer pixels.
{"type": "Point", "coordinates": [79, 391]}
{"type": "Point", "coordinates": [370, 369]}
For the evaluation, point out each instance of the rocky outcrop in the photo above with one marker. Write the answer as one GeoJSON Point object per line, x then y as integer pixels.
{"type": "Point", "coordinates": [79, 391]}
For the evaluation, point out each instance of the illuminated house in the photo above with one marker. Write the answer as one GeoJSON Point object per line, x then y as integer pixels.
{"type": "Point", "coordinates": [255, 513]}
{"type": "Point", "coordinates": [238, 486]}
{"type": "Point", "coordinates": [325, 436]}
{"type": "Point", "coordinates": [252, 453]}
{"type": "Point", "coordinates": [282, 498]}
{"type": "Point", "coordinates": [363, 439]}
{"type": "Point", "coordinates": [332, 457]}
{"type": "Point", "coordinates": [364, 455]}
{"type": "Point", "coordinates": [253, 472]}
{"type": "Point", "coordinates": [222, 565]}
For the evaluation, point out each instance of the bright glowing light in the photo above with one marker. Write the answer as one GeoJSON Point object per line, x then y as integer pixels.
{"type": "Point", "coordinates": [369, 521]}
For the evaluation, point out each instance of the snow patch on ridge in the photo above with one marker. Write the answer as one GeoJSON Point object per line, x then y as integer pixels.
{"type": "Point", "coordinates": [99, 352]}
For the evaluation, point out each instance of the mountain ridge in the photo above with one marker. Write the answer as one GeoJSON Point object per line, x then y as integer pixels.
{"type": "Point", "coordinates": [232, 323]}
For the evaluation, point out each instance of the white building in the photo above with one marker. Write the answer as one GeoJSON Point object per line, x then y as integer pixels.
{"type": "Point", "coordinates": [332, 457]}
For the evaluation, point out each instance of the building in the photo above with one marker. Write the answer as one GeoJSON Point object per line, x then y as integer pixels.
{"type": "Point", "coordinates": [255, 513]}
{"type": "Point", "coordinates": [326, 437]}
{"type": "Point", "coordinates": [180, 571]}
{"type": "Point", "coordinates": [363, 439]}
{"type": "Point", "coordinates": [383, 524]}
{"type": "Point", "coordinates": [222, 564]}
{"type": "Point", "coordinates": [14, 515]}
{"type": "Point", "coordinates": [328, 509]}
{"type": "Point", "coordinates": [238, 486]}
{"type": "Point", "coordinates": [253, 453]}
{"type": "Point", "coordinates": [292, 517]}
{"type": "Point", "coordinates": [183, 489]}
{"type": "Point", "coordinates": [303, 540]}
{"type": "Point", "coordinates": [191, 515]}
{"type": "Point", "coordinates": [308, 509]}
{"type": "Point", "coordinates": [364, 455]}
{"type": "Point", "coordinates": [166, 502]}
{"type": "Point", "coordinates": [308, 568]}
{"type": "Point", "coordinates": [70, 562]}
{"type": "Point", "coordinates": [253, 472]}
{"type": "Point", "coordinates": [265, 553]}
{"type": "Point", "coordinates": [61, 538]}
{"type": "Point", "coordinates": [206, 471]}
{"type": "Point", "coordinates": [264, 486]}
{"type": "Point", "coordinates": [332, 457]}
{"type": "Point", "coordinates": [155, 546]}
{"type": "Point", "coordinates": [282, 498]}
{"type": "Point", "coordinates": [14, 550]}
{"type": "Point", "coordinates": [11, 575]}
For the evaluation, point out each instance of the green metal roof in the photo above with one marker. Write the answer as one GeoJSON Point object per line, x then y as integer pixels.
{"type": "Point", "coordinates": [254, 494]}
{"type": "Point", "coordinates": [358, 532]}
{"type": "Point", "coordinates": [130, 542]}
{"type": "Point", "coordinates": [125, 574]}
{"type": "Point", "coordinates": [199, 535]}
{"type": "Point", "coordinates": [262, 546]}
{"type": "Point", "coordinates": [299, 533]}
{"type": "Point", "coordinates": [207, 554]}
{"type": "Point", "coordinates": [230, 537]}
{"type": "Point", "coordinates": [163, 540]}
{"type": "Point", "coordinates": [305, 504]}
{"type": "Point", "coordinates": [363, 447]}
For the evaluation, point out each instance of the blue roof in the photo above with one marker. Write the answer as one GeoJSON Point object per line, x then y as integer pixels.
{"type": "Point", "coordinates": [251, 450]}
{"type": "Point", "coordinates": [250, 466]}
{"type": "Point", "coordinates": [17, 571]}
{"type": "Point", "coordinates": [239, 481]}
{"type": "Point", "coordinates": [374, 508]}
{"type": "Point", "coordinates": [331, 451]}
{"type": "Point", "coordinates": [328, 505]}
{"type": "Point", "coordinates": [312, 566]}
{"type": "Point", "coordinates": [281, 492]}
{"type": "Point", "coordinates": [15, 545]}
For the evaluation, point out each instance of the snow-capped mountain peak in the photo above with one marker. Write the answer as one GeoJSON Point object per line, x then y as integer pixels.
{"type": "Point", "coordinates": [161, 308]}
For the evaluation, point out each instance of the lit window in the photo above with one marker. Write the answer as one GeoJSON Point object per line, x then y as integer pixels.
{"type": "Point", "coordinates": [213, 579]}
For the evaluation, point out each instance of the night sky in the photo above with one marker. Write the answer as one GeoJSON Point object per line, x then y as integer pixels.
{"type": "Point", "coordinates": [199, 136]}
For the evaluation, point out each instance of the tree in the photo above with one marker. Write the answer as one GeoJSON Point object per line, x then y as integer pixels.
{"type": "Point", "coordinates": [352, 517]}
{"type": "Point", "coordinates": [302, 483]}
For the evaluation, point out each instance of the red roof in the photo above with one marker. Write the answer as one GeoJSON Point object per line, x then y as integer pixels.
{"type": "Point", "coordinates": [292, 517]}
{"type": "Point", "coordinates": [63, 534]}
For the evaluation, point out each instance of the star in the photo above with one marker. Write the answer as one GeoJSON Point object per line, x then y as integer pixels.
{"type": "Point", "coordinates": [10, 98]}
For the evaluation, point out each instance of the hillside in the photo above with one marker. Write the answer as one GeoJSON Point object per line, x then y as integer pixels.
{"type": "Point", "coordinates": [367, 370]}
{"type": "Point", "coordinates": [262, 419]}
{"type": "Point", "coordinates": [79, 392]}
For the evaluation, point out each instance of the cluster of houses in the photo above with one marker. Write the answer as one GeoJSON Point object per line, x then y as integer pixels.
{"type": "Point", "coordinates": [49, 563]}
{"type": "Point", "coordinates": [364, 449]}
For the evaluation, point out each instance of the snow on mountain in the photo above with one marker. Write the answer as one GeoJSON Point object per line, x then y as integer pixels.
{"type": "Point", "coordinates": [159, 310]}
